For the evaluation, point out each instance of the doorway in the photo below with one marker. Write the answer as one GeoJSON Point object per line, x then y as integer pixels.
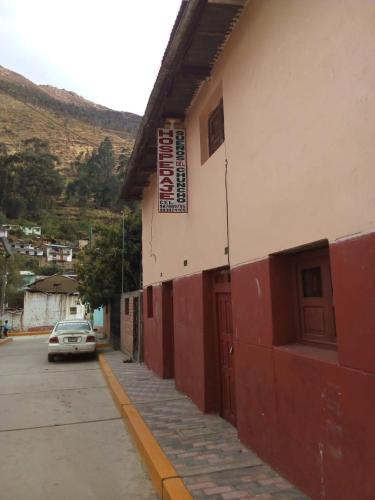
{"type": "Point", "coordinates": [222, 300]}
{"type": "Point", "coordinates": [168, 329]}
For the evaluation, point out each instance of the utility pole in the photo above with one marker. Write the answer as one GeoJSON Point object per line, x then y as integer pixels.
{"type": "Point", "coordinates": [8, 252]}
{"type": "Point", "coordinates": [123, 252]}
{"type": "Point", "coordinates": [3, 289]}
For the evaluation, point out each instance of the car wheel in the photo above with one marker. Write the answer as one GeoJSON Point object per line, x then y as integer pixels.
{"type": "Point", "coordinates": [51, 357]}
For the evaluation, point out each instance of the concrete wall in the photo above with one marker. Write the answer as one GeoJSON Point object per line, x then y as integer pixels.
{"type": "Point", "coordinates": [15, 319]}
{"type": "Point", "coordinates": [44, 309]}
{"type": "Point", "coordinates": [107, 320]}
{"type": "Point", "coordinates": [98, 318]}
{"type": "Point", "coordinates": [131, 324]}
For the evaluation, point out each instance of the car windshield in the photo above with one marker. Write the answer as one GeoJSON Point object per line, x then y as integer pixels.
{"type": "Point", "coordinates": [76, 326]}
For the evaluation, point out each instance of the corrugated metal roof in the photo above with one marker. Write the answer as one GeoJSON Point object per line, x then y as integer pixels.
{"type": "Point", "coordinates": [55, 284]}
{"type": "Point", "coordinates": [199, 33]}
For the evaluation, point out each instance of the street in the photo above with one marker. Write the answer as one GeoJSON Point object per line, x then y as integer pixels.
{"type": "Point", "coordinates": [61, 435]}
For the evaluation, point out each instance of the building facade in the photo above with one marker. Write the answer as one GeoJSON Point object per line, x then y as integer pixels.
{"type": "Point", "coordinates": [59, 253]}
{"type": "Point", "coordinates": [51, 299]}
{"type": "Point", "coordinates": [258, 301]}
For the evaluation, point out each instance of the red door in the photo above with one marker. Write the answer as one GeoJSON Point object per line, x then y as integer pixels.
{"type": "Point", "coordinates": [224, 327]}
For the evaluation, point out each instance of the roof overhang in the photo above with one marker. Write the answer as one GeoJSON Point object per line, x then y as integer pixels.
{"type": "Point", "coordinates": [198, 35]}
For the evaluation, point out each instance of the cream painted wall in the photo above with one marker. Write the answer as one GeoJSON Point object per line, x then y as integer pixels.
{"type": "Point", "coordinates": [298, 86]}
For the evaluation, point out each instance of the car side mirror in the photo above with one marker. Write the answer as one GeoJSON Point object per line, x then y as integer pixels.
{"type": "Point", "coordinates": [95, 329]}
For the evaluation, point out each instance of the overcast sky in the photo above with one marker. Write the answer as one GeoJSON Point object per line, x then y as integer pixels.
{"type": "Point", "coordinates": [108, 51]}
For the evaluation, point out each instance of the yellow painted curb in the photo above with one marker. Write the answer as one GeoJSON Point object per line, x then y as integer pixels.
{"type": "Point", "coordinates": [159, 467]}
{"type": "Point", "coordinates": [162, 473]}
{"type": "Point", "coordinates": [27, 334]}
{"type": "Point", "coordinates": [103, 346]}
{"type": "Point", "coordinates": [5, 341]}
{"type": "Point", "coordinates": [174, 488]}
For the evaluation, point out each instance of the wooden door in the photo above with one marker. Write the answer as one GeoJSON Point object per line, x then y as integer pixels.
{"type": "Point", "coordinates": [315, 297]}
{"type": "Point", "coordinates": [135, 328]}
{"type": "Point", "coordinates": [168, 329]}
{"type": "Point", "coordinates": [224, 326]}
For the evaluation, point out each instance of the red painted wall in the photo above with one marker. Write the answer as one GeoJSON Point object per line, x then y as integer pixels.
{"type": "Point", "coordinates": [353, 276]}
{"type": "Point", "coordinates": [308, 411]}
{"type": "Point", "coordinates": [195, 344]}
{"type": "Point", "coordinates": [189, 338]}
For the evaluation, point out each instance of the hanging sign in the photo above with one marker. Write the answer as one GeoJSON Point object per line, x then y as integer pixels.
{"type": "Point", "coordinates": [172, 181]}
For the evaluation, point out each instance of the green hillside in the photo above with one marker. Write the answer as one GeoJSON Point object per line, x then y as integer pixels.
{"type": "Point", "coordinates": [70, 123]}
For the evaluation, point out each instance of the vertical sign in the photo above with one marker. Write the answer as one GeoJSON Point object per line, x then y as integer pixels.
{"type": "Point", "coordinates": [172, 181]}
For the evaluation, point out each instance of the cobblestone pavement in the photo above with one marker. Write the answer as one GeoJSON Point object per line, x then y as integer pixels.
{"type": "Point", "coordinates": [204, 449]}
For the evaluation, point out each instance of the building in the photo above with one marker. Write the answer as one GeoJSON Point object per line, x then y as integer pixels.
{"type": "Point", "coordinates": [31, 230]}
{"type": "Point", "coordinates": [27, 249]}
{"type": "Point", "coordinates": [10, 227]}
{"type": "Point", "coordinates": [259, 299]}
{"type": "Point", "coordinates": [83, 243]}
{"type": "Point", "coordinates": [51, 299]}
{"type": "Point", "coordinates": [28, 278]}
{"type": "Point", "coordinates": [59, 253]}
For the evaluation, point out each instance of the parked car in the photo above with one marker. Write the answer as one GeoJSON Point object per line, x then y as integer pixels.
{"type": "Point", "coordinates": [72, 337]}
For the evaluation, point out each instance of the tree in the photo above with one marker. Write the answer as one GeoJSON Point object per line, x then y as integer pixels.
{"type": "Point", "coordinates": [13, 292]}
{"type": "Point", "coordinates": [28, 179]}
{"type": "Point", "coordinates": [96, 182]}
{"type": "Point", "coordinates": [100, 267]}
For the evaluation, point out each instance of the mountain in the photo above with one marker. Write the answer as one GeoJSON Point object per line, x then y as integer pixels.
{"type": "Point", "coordinates": [70, 123]}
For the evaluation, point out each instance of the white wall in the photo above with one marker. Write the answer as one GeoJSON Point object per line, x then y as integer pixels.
{"type": "Point", "coordinates": [45, 309]}
{"type": "Point", "coordinates": [14, 320]}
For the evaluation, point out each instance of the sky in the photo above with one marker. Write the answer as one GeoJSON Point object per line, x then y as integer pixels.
{"type": "Point", "coordinates": [108, 51]}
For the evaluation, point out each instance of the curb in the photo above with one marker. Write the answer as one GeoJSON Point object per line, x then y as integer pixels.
{"type": "Point", "coordinates": [28, 334]}
{"type": "Point", "coordinates": [103, 346]}
{"type": "Point", "coordinates": [163, 475]}
{"type": "Point", "coordinates": [5, 341]}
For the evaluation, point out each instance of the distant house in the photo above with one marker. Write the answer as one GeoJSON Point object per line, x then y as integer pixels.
{"type": "Point", "coordinates": [28, 278]}
{"type": "Point", "coordinates": [82, 244]}
{"type": "Point", "coordinates": [51, 299]}
{"type": "Point", "coordinates": [59, 253]}
{"type": "Point", "coordinates": [31, 231]}
{"type": "Point", "coordinates": [27, 249]}
{"type": "Point", "coordinates": [10, 227]}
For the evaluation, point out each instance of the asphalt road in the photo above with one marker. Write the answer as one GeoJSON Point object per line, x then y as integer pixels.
{"type": "Point", "coordinates": [61, 435]}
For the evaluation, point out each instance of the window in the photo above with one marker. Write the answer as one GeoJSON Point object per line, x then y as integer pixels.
{"type": "Point", "coordinates": [150, 302]}
{"type": "Point", "coordinates": [216, 128]}
{"type": "Point", "coordinates": [73, 310]}
{"type": "Point", "coordinates": [314, 294]}
{"type": "Point", "coordinates": [127, 306]}
{"type": "Point", "coordinates": [64, 326]}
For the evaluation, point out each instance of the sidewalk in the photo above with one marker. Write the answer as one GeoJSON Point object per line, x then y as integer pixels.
{"type": "Point", "coordinates": [204, 449]}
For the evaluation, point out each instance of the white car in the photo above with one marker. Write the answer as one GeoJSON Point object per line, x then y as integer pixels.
{"type": "Point", "coordinates": [74, 336]}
